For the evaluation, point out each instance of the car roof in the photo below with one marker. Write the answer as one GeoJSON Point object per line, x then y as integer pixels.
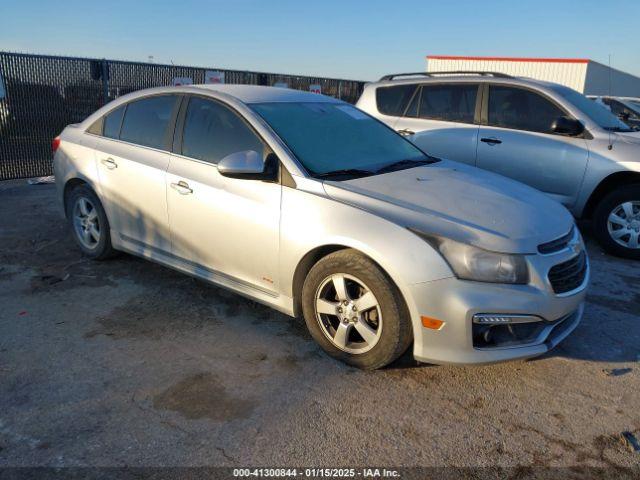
{"type": "Point", "coordinates": [262, 94]}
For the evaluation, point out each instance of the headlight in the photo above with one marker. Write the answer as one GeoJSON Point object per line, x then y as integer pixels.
{"type": "Point", "coordinates": [473, 263]}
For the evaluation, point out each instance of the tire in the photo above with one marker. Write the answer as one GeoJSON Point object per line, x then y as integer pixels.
{"type": "Point", "coordinates": [93, 215]}
{"type": "Point", "coordinates": [615, 202]}
{"type": "Point", "coordinates": [382, 312]}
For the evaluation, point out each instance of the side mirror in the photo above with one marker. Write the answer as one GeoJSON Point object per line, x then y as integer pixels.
{"type": "Point", "coordinates": [249, 165]}
{"type": "Point", "coordinates": [246, 164]}
{"type": "Point", "coordinates": [567, 126]}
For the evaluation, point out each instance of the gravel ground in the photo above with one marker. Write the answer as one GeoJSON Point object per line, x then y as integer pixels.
{"type": "Point", "coordinates": [128, 363]}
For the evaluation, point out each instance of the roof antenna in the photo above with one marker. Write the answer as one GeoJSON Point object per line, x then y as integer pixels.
{"type": "Point", "coordinates": [610, 147]}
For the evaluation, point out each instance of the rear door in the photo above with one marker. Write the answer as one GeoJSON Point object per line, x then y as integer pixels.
{"type": "Point", "coordinates": [132, 159]}
{"type": "Point", "coordinates": [222, 226]}
{"type": "Point", "coordinates": [441, 120]}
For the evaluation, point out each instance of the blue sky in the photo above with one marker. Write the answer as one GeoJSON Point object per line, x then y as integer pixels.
{"type": "Point", "coordinates": [347, 39]}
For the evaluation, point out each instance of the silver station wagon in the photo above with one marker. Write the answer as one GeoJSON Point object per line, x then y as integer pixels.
{"type": "Point", "coordinates": [307, 204]}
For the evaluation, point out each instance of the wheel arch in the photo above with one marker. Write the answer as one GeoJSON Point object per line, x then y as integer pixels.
{"type": "Point", "coordinates": [314, 256]}
{"type": "Point", "coordinates": [607, 185]}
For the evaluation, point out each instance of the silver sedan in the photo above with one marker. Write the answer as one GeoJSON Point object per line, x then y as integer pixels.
{"type": "Point", "coordinates": [309, 205]}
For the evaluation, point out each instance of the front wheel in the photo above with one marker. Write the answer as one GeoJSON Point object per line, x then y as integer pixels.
{"type": "Point", "coordinates": [354, 311]}
{"type": "Point", "coordinates": [616, 222]}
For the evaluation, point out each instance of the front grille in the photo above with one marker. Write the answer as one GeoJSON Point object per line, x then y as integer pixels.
{"type": "Point", "coordinates": [557, 244]}
{"type": "Point", "coordinates": [569, 275]}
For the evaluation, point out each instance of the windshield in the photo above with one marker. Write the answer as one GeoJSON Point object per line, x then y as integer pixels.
{"type": "Point", "coordinates": [596, 112]}
{"type": "Point", "coordinates": [331, 137]}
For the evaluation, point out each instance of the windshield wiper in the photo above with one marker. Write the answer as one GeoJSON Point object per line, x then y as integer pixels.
{"type": "Point", "coordinates": [345, 172]}
{"type": "Point", "coordinates": [399, 165]}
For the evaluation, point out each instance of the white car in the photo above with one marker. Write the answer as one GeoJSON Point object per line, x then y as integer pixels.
{"type": "Point", "coordinates": [309, 205]}
{"type": "Point", "coordinates": [540, 133]}
{"type": "Point", "coordinates": [625, 108]}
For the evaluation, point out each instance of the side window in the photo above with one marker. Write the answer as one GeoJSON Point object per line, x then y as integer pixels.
{"type": "Point", "coordinates": [452, 103]}
{"type": "Point", "coordinates": [112, 123]}
{"type": "Point", "coordinates": [521, 109]}
{"type": "Point", "coordinates": [393, 100]}
{"type": "Point", "coordinates": [213, 131]}
{"type": "Point", "coordinates": [146, 121]}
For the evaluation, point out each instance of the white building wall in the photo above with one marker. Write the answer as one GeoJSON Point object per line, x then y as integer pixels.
{"type": "Point", "coordinates": [618, 84]}
{"type": "Point", "coordinates": [585, 76]}
{"type": "Point", "coordinates": [571, 74]}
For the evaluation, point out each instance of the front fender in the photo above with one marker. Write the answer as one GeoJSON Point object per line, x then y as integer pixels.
{"type": "Point", "coordinates": [309, 221]}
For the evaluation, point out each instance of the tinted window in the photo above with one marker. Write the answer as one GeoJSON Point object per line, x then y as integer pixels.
{"type": "Point", "coordinates": [112, 123]}
{"type": "Point", "coordinates": [393, 100]}
{"type": "Point", "coordinates": [212, 131]}
{"type": "Point", "coordinates": [146, 121]}
{"type": "Point", "coordinates": [453, 103]}
{"type": "Point", "coordinates": [521, 109]}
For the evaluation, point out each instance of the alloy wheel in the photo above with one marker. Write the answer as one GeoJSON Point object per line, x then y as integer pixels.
{"type": "Point", "coordinates": [623, 224]}
{"type": "Point", "coordinates": [348, 313]}
{"type": "Point", "coordinates": [86, 223]}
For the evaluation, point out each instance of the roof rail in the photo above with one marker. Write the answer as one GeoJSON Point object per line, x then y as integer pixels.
{"type": "Point", "coordinates": [455, 72]}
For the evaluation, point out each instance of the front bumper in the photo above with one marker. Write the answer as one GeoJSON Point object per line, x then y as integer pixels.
{"type": "Point", "coordinates": [456, 302]}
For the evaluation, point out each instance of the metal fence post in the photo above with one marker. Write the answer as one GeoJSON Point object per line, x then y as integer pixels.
{"type": "Point", "coordinates": [105, 81]}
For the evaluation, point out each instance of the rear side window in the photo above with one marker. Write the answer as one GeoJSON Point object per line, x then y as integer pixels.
{"type": "Point", "coordinates": [393, 100]}
{"type": "Point", "coordinates": [521, 109]}
{"type": "Point", "coordinates": [451, 103]}
{"type": "Point", "coordinates": [213, 131]}
{"type": "Point", "coordinates": [146, 121]}
{"type": "Point", "coordinates": [112, 123]}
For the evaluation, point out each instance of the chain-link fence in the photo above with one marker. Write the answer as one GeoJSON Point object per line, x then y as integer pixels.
{"type": "Point", "coordinates": [40, 95]}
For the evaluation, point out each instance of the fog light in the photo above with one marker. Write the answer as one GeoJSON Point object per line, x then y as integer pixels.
{"type": "Point", "coordinates": [501, 319]}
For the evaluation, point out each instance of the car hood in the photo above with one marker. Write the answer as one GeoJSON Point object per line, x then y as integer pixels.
{"type": "Point", "coordinates": [460, 202]}
{"type": "Point", "coordinates": [630, 137]}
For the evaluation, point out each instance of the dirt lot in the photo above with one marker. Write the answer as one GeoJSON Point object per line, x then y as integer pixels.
{"type": "Point", "coordinates": [129, 363]}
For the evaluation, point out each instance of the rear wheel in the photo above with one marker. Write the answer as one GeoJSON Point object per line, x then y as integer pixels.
{"type": "Point", "coordinates": [89, 223]}
{"type": "Point", "coordinates": [354, 311]}
{"type": "Point", "coordinates": [616, 222]}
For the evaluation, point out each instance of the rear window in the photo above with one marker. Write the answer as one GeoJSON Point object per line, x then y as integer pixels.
{"type": "Point", "coordinates": [146, 121]}
{"type": "Point", "coordinates": [393, 100]}
{"type": "Point", "coordinates": [451, 103]}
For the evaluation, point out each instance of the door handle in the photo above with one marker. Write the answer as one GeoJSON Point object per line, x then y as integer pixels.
{"type": "Point", "coordinates": [182, 187]}
{"type": "Point", "coordinates": [110, 163]}
{"type": "Point", "coordinates": [491, 141]}
{"type": "Point", "coordinates": [405, 132]}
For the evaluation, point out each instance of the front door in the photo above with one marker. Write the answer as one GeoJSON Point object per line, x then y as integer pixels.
{"type": "Point", "coordinates": [226, 226]}
{"type": "Point", "coordinates": [518, 143]}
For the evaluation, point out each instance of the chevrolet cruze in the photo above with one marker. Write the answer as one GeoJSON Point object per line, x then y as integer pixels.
{"type": "Point", "coordinates": [307, 204]}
